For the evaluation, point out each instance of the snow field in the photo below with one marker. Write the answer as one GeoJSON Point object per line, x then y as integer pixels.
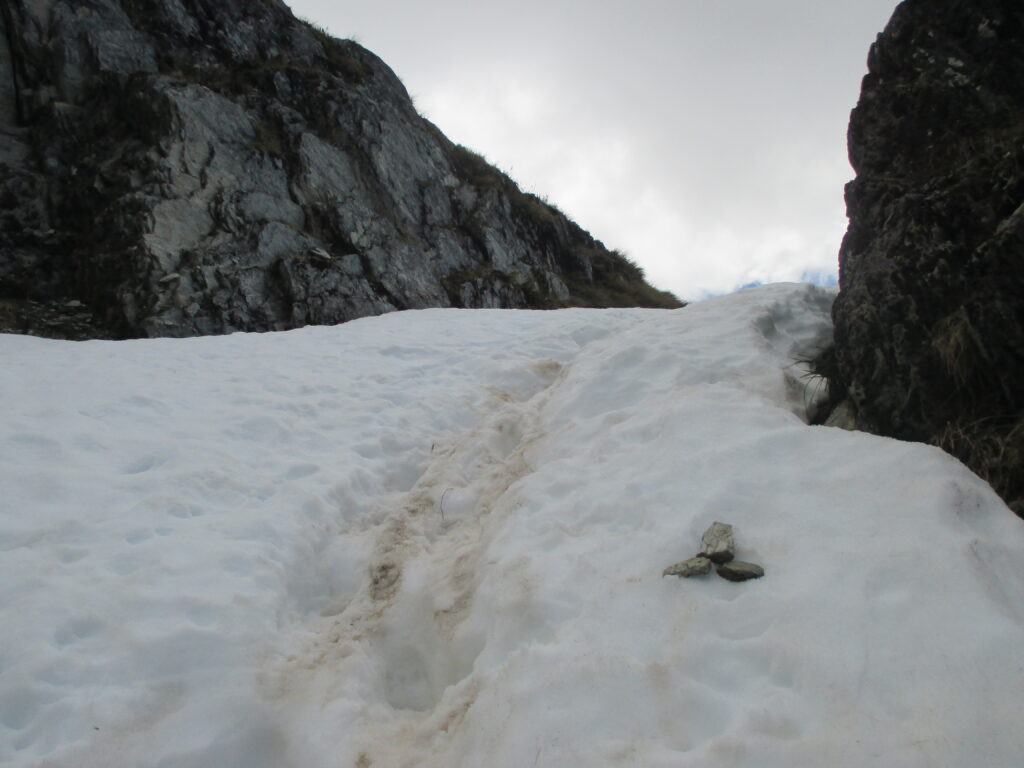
{"type": "Point", "coordinates": [436, 539]}
{"type": "Point", "coordinates": [171, 510]}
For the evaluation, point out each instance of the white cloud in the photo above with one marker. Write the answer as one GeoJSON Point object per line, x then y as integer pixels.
{"type": "Point", "coordinates": [707, 140]}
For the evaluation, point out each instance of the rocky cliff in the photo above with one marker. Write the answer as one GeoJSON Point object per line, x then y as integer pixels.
{"type": "Point", "coordinates": [929, 323]}
{"type": "Point", "coordinates": [184, 167]}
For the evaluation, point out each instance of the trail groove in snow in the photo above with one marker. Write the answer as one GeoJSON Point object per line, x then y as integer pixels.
{"type": "Point", "coordinates": [438, 531]}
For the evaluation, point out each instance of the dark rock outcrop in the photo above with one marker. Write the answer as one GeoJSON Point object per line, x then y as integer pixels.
{"type": "Point", "coordinates": [929, 322]}
{"type": "Point", "coordinates": [186, 167]}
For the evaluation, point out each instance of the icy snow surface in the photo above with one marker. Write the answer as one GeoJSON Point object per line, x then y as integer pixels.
{"type": "Point", "coordinates": [436, 539]}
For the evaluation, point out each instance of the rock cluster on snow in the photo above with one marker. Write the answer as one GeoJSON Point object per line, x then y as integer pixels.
{"type": "Point", "coordinates": [929, 322]}
{"type": "Point", "coordinates": [184, 167]}
{"type": "Point", "coordinates": [718, 546]}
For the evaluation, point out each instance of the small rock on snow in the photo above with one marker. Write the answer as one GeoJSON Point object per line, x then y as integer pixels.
{"type": "Point", "coordinates": [737, 570]}
{"type": "Point", "coordinates": [718, 544]}
{"type": "Point", "coordinates": [695, 566]}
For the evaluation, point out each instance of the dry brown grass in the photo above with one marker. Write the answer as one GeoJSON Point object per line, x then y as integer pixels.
{"type": "Point", "coordinates": [994, 449]}
{"type": "Point", "coordinates": [958, 348]}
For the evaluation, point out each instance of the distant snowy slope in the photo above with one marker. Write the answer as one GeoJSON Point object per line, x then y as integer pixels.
{"type": "Point", "coordinates": [436, 539]}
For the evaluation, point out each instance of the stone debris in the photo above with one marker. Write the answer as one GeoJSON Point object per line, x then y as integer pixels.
{"type": "Point", "coordinates": [51, 319]}
{"type": "Point", "coordinates": [695, 566]}
{"type": "Point", "coordinates": [717, 543]}
{"type": "Point", "coordinates": [737, 570]}
{"type": "Point", "coordinates": [718, 546]}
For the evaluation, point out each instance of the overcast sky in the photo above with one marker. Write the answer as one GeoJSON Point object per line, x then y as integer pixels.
{"type": "Point", "coordinates": [704, 138]}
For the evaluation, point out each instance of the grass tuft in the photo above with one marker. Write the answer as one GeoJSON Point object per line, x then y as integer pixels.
{"type": "Point", "coordinates": [956, 345]}
{"type": "Point", "coordinates": [994, 449]}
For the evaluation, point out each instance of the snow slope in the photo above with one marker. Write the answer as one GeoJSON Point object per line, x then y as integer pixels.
{"type": "Point", "coordinates": [436, 539]}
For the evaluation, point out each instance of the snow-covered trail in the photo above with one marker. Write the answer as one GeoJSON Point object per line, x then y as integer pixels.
{"type": "Point", "coordinates": [436, 539]}
{"type": "Point", "coordinates": [434, 544]}
{"type": "Point", "coordinates": [405, 627]}
{"type": "Point", "coordinates": [174, 513]}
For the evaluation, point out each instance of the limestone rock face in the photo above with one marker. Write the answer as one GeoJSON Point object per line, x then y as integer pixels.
{"type": "Point", "coordinates": [188, 167]}
{"type": "Point", "coordinates": [929, 322]}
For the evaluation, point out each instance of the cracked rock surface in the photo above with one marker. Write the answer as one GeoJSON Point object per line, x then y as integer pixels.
{"type": "Point", "coordinates": [929, 322]}
{"type": "Point", "coordinates": [191, 167]}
